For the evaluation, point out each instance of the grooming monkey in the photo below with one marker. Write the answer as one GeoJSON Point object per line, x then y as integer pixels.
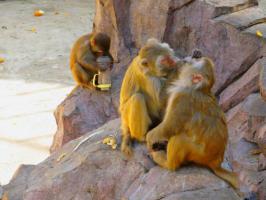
{"type": "Point", "coordinates": [140, 102]}
{"type": "Point", "coordinates": [84, 54]}
{"type": "Point", "coordinates": [194, 127]}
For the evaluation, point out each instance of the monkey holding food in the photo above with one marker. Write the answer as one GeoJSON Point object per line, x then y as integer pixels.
{"type": "Point", "coordinates": [84, 54]}
{"type": "Point", "coordinates": [194, 127]}
{"type": "Point", "coordinates": [140, 102]}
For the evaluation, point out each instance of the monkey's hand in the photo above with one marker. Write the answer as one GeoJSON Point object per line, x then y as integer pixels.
{"type": "Point", "coordinates": [160, 146]}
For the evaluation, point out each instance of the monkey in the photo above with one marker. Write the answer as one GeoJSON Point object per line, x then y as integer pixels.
{"type": "Point", "coordinates": [194, 126]}
{"type": "Point", "coordinates": [140, 102]}
{"type": "Point", "coordinates": [84, 54]}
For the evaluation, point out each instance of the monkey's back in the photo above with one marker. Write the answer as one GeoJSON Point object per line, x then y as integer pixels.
{"type": "Point", "coordinates": [81, 44]}
{"type": "Point", "coordinates": [207, 126]}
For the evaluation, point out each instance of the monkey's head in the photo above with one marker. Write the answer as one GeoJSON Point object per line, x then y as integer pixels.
{"type": "Point", "coordinates": [100, 43]}
{"type": "Point", "coordinates": [197, 73]}
{"type": "Point", "coordinates": [156, 58]}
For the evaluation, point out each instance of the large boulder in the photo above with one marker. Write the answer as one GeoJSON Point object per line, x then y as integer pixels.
{"type": "Point", "coordinates": [82, 111]}
{"type": "Point", "coordinates": [241, 88]}
{"type": "Point", "coordinates": [96, 171]}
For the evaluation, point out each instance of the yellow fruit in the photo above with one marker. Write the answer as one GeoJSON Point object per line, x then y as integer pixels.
{"type": "Point", "coordinates": [2, 60]}
{"type": "Point", "coordinates": [259, 33]}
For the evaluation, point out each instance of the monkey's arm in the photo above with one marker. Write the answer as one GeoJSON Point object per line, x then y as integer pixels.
{"type": "Point", "coordinates": [178, 113]}
{"type": "Point", "coordinates": [86, 60]}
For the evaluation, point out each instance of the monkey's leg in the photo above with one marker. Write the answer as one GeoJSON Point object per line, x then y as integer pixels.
{"type": "Point", "coordinates": [176, 151]}
{"type": "Point", "coordinates": [138, 117]}
{"type": "Point", "coordinates": [126, 145]}
{"type": "Point", "coordinates": [82, 77]}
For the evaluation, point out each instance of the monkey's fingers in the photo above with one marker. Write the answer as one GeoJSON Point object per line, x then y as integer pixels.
{"type": "Point", "coordinates": [196, 53]}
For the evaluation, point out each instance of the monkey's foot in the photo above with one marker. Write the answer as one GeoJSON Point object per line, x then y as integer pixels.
{"type": "Point", "coordinates": [159, 146]}
{"type": "Point", "coordinates": [127, 150]}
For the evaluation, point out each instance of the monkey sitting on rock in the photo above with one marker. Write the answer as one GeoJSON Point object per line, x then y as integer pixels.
{"type": "Point", "coordinates": [194, 128]}
{"type": "Point", "coordinates": [140, 96]}
{"type": "Point", "coordinates": [84, 54]}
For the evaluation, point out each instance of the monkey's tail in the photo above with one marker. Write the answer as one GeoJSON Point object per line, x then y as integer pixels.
{"type": "Point", "coordinates": [228, 176]}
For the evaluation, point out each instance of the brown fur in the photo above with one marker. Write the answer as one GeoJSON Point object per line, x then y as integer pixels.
{"type": "Point", "coordinates": [194, 125]}
{"type": "Point", "coordinates": [140, 103]}
{"type": "Point", "coordinates": [83, 57]}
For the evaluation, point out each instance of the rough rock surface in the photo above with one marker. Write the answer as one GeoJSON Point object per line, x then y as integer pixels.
{"type": "Point", "coordinates": [82, 111]}
{"type": "Point", "coordinates": [262, 80]}
{"type": "Point", "coordinates": [241, 88]}
{"type": "Point", "coordinates": [95, 171]}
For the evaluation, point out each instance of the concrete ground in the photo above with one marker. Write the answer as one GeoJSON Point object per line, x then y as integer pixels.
{"type": "Point", "coordinates": [35, 76]}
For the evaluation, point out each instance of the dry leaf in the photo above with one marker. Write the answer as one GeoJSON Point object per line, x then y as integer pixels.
{"type": "Point", "coordinates": [259, 33]}
{"type": "Point", "coordinates": [2, 60]}
{"type": "Point", "coordinates": [38, 13]}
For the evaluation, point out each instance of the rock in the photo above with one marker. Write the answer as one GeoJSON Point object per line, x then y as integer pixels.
{"type": "Point", "coordinates": [259, 27]}
{"type": "Point", "coordinates": [240, 89]}
{"type": "Point", "coordinates": [142, 22]}
{"type": "Point", "coordinates": [241, 156]}
{"type": "Point", "coordinates": [261, 138]}
{"type": "Point", "coordinates": [18, 183]}
{"type": "Point", "coordinates": [230, 6]}
{"type": "Point", "coordinates": [244, 18]}
{"type": "Point", "coordinates": [262, 162]}
{"type": "Point", "coordinates": [262, 5]}
{"type": "Point", "coordinates": [244, 119]}
{"type": "Point", "coordinates": [262, 80]}
{"type": "Point", "coordinates": [185, 32]}
{"type": "Point", "coordinates": [95, 171]}
{"type": "Point", "coordinates": [84, 110]}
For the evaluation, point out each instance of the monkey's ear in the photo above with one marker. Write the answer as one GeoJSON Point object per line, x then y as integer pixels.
{"type": "Point", "coordinates": [144, 62]}
{"type": "Point", "coordinates": [197, 78]}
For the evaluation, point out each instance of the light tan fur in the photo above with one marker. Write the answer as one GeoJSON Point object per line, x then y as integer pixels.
{"type": "Point", "coordinates": [194, 125]}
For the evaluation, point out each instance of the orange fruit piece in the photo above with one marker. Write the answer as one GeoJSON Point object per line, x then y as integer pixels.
{"type": "Point", "coordinates": [38, 13]}
{"type": "Point", "coordinates": [2, 60]}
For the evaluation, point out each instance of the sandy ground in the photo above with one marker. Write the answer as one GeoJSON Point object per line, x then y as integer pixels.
{"type": "Point", "coordinates": [35, 76]}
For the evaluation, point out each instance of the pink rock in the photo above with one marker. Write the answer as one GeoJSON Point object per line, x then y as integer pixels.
{"type": "Point", "coordinates": [261, 138]}
{"type": "Point", "coordinates": [262, 162]}
{"type": "Point", "coordinates": [82, 111]}
{"type": "Point", "coordinates": [262, 80]}
{"type": "Point", "coordinates": [240, 89]}
{"type": "Point", "coordinates": [95, 171]}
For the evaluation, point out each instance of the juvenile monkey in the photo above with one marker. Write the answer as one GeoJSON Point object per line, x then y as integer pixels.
{"type": "Point", "coordinates": [84, 55]}
{"type": "Point", "coordinates": [194, 125]}
{"type": "Point", "coordinates": [140, 102]}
